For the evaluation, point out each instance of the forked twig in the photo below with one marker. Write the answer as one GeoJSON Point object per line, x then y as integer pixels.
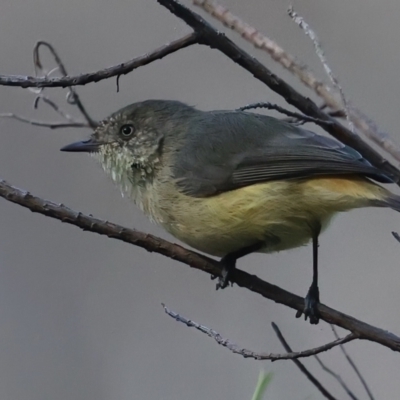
{"type": "Point", "coordinates": [73, 97]}
{"type": "Point", "coordinates": [252, 354]}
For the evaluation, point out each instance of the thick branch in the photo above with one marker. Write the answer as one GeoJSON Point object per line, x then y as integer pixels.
{"type": "Point", "coordinates": [194, 260]}
{"type": "Point", "coordinates": [214, 39]}
{"type": "Point", "coordinates": [116, 70]}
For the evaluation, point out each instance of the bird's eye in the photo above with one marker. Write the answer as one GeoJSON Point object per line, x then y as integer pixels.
{"type": "Point", "coordinates": [127, 131]}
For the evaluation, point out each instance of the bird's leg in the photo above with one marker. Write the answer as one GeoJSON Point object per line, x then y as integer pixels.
{"type": "Point", "coordinates": [228, 262]}
{"type": "Point", "coordinates": [311, 301]}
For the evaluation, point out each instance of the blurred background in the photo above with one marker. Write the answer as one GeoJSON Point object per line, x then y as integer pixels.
{"type": "Point", "coordinates": [81, 315]}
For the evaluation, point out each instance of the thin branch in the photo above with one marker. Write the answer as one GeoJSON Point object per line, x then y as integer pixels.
{"type": "Point", "coordinates": [46, 124]}
{"type": "Point", "coordinates": [73, 95]}
{"type": "Point", "coordinates": [53, 105]}
{"type": "Point", "coordinates": [106, 73]}
{"type": "Point", "coordinates": [296, 116]}
{"type": "Point", "coordinates": [301, 367]}
{"type": "Point", "coordinates": [396, 236]}
{"type": "Point", "coordinates": [209, 36]}
{"type": "Point", "coordinates": [278, 54]}
{"type": "Point", "coordinates": [354, 366]}
{"type": "Point", "coordinates": [321, 55]}
{"type": "Point", "coordinates": [194, 260]}
{"type": "Point", "coordinates": [342, 383]}
{"type": "Point", "coordinates": [251, 354]}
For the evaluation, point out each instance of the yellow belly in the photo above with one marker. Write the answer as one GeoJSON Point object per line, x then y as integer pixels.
{"type": "Point", "coordinates": [282, 214]}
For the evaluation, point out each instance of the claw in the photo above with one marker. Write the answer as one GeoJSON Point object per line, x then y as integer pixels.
{"type": "Point", "coordinates": [311, 302]}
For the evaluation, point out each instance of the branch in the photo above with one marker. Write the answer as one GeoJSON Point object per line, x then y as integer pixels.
{"type": "Point", "coordinates": [296, 116]}
{"type": "Point", "coordinates": [51, 125]}
{"type": "Point", "coordinates": [301, 71]}
{"type": "Point", "coordinates": [209, 36]}
{"type": "Point", "coordinates": [116, 70]}
{"type": "Point", "coordinates": [53, 105]}
{"type": "Point", "coordinates": [342, 383]}
{"type": "Point", "coordinates": [354, 366]}
{"type": "Point", "coordinates": [73, 97]}
{"type": "Point", "coordinates": [251, 354]}
{"type": "Point", "coordinates": [301, 367]}
{"type": "Point", "coordinates": [194, 260]}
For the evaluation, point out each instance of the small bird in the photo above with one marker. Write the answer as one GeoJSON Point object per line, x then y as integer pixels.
{"type": "Point", "coordinates": [230, 183]}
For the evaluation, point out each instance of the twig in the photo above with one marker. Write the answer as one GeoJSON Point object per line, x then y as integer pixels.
{"type": "Point", "coordinates": [301, 367]}
{"type": "Point", "coordinates": [396, 236]}
{"type": "Point", "coordinates": [277, 53]}
{"type": "Point", "coordinates": [342, 383]}
{"type": "Point", "coordinates": [354, 366]}
{"type": "Point", "coordinates": [73, 96]}
{"type": "Point", "coordinates": [194, 260]}
{"type": "Point", "coordinates": [106, 73]}
{"type": "Point", "coordinates": [282, 110]}
{"type": "Point", "coordinates": [51, 125]}
{"type": "Point", "coordinates": [209, 36]}
{"type": "Point", "coordinates": [251, 354]}
{"type": "Point", "coordinates": [53, 105]}
{"type": "Point", "coordinates": [321, 55]}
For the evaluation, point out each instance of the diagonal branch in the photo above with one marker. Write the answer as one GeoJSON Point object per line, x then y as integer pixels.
{"type": "Point", "coordinates": [291, 355]}
{"type": "Point", "coordinates": [354, 366]}
{"type": "Point", "coordinates": [116, 70]}
{"type": "Point", "coordinates": [301, 367]}
{"type": "Point", "coordinates": [194, 260]}
{"type": "Point", "coordinates": [289, 62]}
{"type": "Point", "coordinates": [338, 378]}
{"type": "Point", "coordinates": [209, 36]}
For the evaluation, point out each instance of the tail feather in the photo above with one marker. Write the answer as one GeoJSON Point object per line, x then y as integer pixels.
{"type": "Point", "coordinates": [391, 200]}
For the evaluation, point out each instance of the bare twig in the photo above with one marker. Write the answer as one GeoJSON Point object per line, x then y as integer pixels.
{"type": "Point", "coordinates": [106, 73]}
{"type": "Point", "coordinates": [194, 260]}
{"type": "Point", "coordinates": [251, 354]}
{"type": "Point", "coordinates": [277, 53]}
{"type": "Point", "coordinates": [396, 236]}
{"type": "Point", "coordinates": [296, 116]}
{"type": "Point", "coordinates": [54, 106]}
{"type": "Point", "coordinates": [209, 36]}
{"type": "Point", "coordinates": [73, 96]}
{"type": "Point", "coordinates": [321, 55]}
{"type": "Point", "coordinates": [354, 366]}
{"type": "Point", "coordinates": [46, 124]}
{"type": "Point", "coordinates": [342, 383]}
{"type": "Point", "coordinates": [301, 367]}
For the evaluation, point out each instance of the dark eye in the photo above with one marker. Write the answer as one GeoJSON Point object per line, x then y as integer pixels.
{"type": "Point", "coordinates": [127, 130]}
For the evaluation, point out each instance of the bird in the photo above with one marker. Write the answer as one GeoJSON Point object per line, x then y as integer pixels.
{"type": "Point", "coordinates": [229, 183]}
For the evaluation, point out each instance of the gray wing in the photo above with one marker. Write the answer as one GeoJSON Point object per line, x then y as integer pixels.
{"type": "Point", "coordinates": [228, 150]}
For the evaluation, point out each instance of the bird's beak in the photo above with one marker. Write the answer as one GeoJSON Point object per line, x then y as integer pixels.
{"type": "Point", "coordinates": [87, 146]}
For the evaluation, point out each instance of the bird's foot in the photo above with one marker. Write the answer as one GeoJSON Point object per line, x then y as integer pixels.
{"type": "Point", "coordinates": [227, 266]}
{"type": "Point", "coordinates": [311, 302]}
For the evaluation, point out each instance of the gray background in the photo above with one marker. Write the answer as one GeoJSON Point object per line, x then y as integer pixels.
{"type": "Point", "coordinates": [80, 315]}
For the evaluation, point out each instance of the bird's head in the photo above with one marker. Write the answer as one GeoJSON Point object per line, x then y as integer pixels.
{"type": "Point", "coordinates": [129, 143]}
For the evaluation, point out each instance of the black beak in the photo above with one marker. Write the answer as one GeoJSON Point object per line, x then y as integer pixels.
{"type": "Point", "coordinates": [86, 146]}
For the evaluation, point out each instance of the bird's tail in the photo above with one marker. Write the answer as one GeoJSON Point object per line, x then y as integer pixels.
{"type": "Point", "coordinates": [391, 200]}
